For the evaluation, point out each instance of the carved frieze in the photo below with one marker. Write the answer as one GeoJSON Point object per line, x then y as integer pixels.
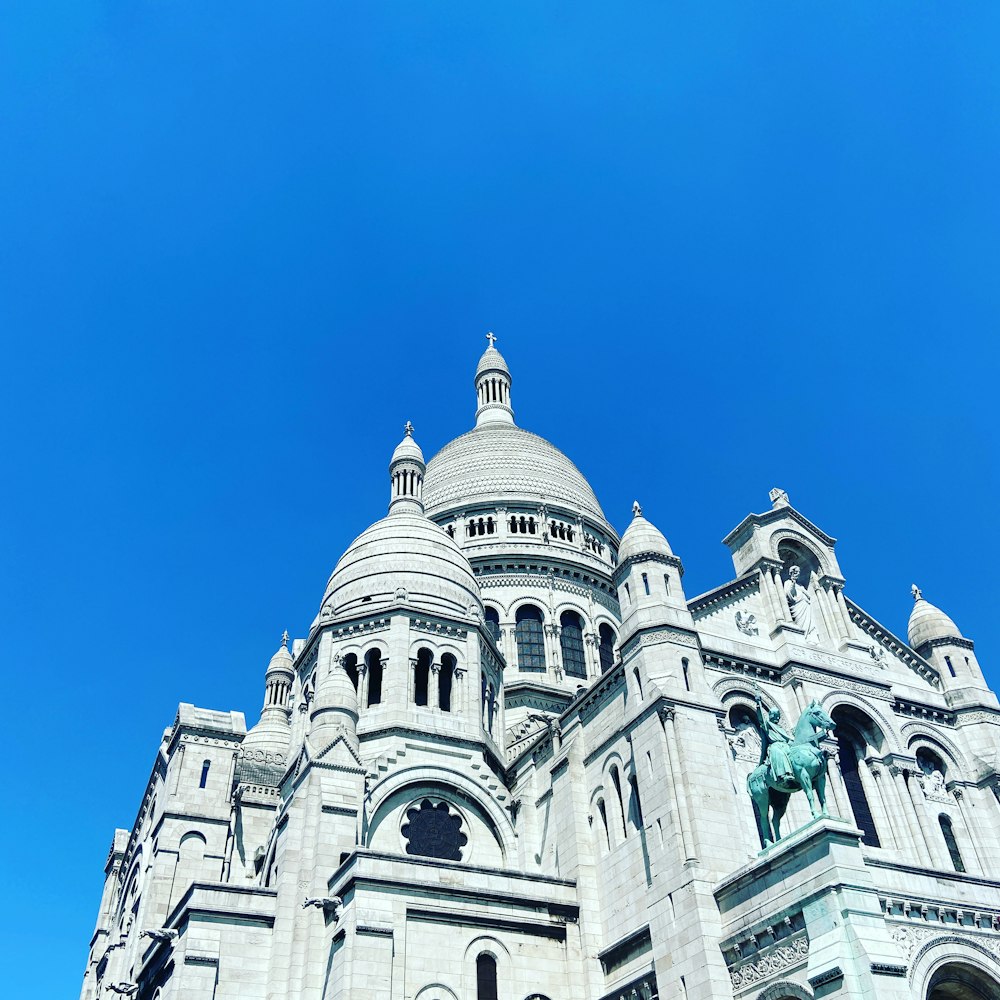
{"type": "Point", "coordinates": [770, 962]}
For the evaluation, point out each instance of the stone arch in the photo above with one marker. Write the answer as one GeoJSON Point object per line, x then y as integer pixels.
{"type": "Point", "coordinates": [916, 734]}
{"type": "Point", "coordinates": [785, 989]}
{"type": "Point", "coordinates": [835, 699]}
{"type": "Point", "coordinates": [488, 944]}
{"type": "Point", "coordinates": [789, 538]}
{"type": "Point", "coordinates": [436, 991]}
{"type": "Point", "coordinates": [446, 783]}
{"type": "Point", "coordinates": [947, 950]}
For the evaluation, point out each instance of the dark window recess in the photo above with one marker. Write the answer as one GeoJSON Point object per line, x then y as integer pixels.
{"type": "Point", "coordinates": [430, 831]}
{"type": "Point", "coordinates": [373, 660]}
{"type": "Point", "coordinates": [204, 773]}
{"type": "Point", "coordinates": [493, 623]}
{"type": "Point", "coordinates": [351, 668]}
{"type": "Point", "coordinates": [607, 648]}
{"type": "Point", "coordinates": [421, 676]}
{"type": "Point", "coordinates": [952, 844]}
{"type": "Point", "coordinates": [530, 638]}
{"type": "Point", "coordinates": [856, 792]}
{"type": "Point", "coordinates": [571, 642]}
{"type": "Point", "coordinates": [486, 977]}
{"type": "Point", "coordinates": [447, 674]}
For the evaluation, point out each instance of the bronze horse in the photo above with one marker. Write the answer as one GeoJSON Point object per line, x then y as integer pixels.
{"type": "Point", "coordinates": [808, 765]}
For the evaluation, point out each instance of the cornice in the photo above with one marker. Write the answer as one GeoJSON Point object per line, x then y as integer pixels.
{"type": "Point", "coordinates": [711, 597]}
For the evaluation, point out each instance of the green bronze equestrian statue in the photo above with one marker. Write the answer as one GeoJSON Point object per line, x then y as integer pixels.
{"type": "Point", "coordinates": [788, 763]}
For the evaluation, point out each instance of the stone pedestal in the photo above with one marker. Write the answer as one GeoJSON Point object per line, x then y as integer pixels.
{"type": "Point", "coordinates": [806, 912]}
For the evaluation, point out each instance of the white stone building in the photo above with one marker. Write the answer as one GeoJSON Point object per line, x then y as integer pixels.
{"type": "Point", "coordinates": [509, 762]}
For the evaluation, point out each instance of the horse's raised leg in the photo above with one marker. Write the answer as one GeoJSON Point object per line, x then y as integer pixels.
{"type": "Point", "coordinates": [821, 792]}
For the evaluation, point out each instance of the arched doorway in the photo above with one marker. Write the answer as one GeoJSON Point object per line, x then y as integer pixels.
{"type": "Point", "coordinates": [961, 981]}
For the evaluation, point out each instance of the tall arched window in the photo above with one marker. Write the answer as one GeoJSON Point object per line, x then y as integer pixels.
{"type": "Point", "coordinates": [486, 977]}
{"type": "Point", "coordinates": [607, 647]}
{"type": "Point", "coordinates": [616, 779]}
{"type": "Point", "coordinates": [445, 678]}
{"type": "Point", "coordinates": [952, 844]}
{"type": "Point", "coordinates": [571, 641]}
{"type": "Point", "coordinates": [493, 623]}
{"type": "Point", "coordinates": [603, 812]}
{"type": "Point", "coordinates": [530, 639]}
{"type": "Point", "coordinates": [351, 668]}
{"type": "Point", "coordinates": [373, 663]}
{"type": "Point", "coordinates": [422, 676]}
{"type": "Point", "coordinates": [849, 756]}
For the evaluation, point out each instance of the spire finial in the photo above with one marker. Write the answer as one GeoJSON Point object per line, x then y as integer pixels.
{"type": "Point", "coordinates": [636, 509]}
{"type": "Point", "coordinates": [284, 638]}
{"type": "Point", "coordinates": [779, 498]}
{"type": "Point", "coordinates": [915, 590]}
{"type": "Point", "coordinates": [409, 429]}
{"type": "Point", "coordinates": [491, 338]}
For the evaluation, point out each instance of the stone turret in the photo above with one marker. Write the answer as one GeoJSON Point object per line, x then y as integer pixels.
{"type": "Point", "coordinates": [493, 388]}
{"type": "Point", "coordinates": [272, 734]}
{"type": "Point", "coordinates": [939, 640]}
{"type": "Point", "coordinates": [406, 472]}
{"type": "Point", "coordinates": [335, 707]}
{"type": "Point", "coordinates": [648, 578]}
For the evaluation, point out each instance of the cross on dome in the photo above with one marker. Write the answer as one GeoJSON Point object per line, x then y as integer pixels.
{"type": "Point", "coordinates": [409, 429]}
{"type": "Point", "coordinates": [491, 338]}
{"type": "Point", "coordinates": [284, 638]}
{"type": "Point", "coordinates": [636, 509]}
{"type": "Point", "coordinates": [915, 590]}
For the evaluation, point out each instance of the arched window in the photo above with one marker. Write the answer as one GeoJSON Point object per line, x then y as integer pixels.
{"type": "Point", "coordinates": [607, 647]}
{"type": "Point", "coordinates": [421, 676]}
{"type": "Point", "coordinates": [849, 755]}
{"type": "Point", "coordinates": [645, 583]}
{"type": "Point", "coordinates": [530, 638]}
{"type": "Point", "coordinates": [666, 583]}
{"type": "Point", "coordinates": [351, 668]}
{"type": "Point", "coordinates": [686, 666]}
{"type": "Point", "coordinates": [952, 844]}
{"type": "Point", "coordinates": [493, 623]}
{"type": "Point", "coordinates": [602, 810]}
{"type": "Point", "coordinates": [373, 663]}
{"type": "Point", "coordinates": [448, 664]}
{"type": "Point", "coordinates": [616, 779]}
{"type": "Point", "coordinates": [486, 977]}
{"type": "Point", "coordinates": [571, 642]}
{"type": "Point", "coordinates": [204, 773]}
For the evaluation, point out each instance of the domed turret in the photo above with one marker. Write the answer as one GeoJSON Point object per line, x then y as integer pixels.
{"type": "Point", "coordinates": [405, 556]}
{"type": "Point", "coordinates": [406, 471]}
{"type": "Point", "coordinates": [334, 708]}
{"type": "Point", "coordinates": [493, 388]}
{"type": "Point", "coordinates": [641, 538]}
{"type": "Point", "coordinates": [928, 623]}
{"type": "Point", "coordinates": [938, 639]}
{"type": "Point", "coordinates": [272, 734]}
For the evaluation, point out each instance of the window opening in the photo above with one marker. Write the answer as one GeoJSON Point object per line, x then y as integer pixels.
{"type": "Point", "coordinates": [486, 977]}
{"type": "Point", "coordinates": [951, 669]}
{"type": "Point", "coordinates": [949, 838]}
{"type": "Point", "coordinates": [421, 676]}
{"type": "Point", "coordinates": [445, 677]}
{"type": "Point", "coordinates": [635, 812]}
{"type": "Point", "coordinates": [618, 791]}
{"type": "Point", "coordinates": [855, 790]}
{"type": "Point", "coordinates": [645, 583]}
{"type": "Point", "coordinates": [530, 638]}
{"type": "Point", "coordinates": [431, 830]}
{"type": "Point", "coordinates": [493, 623]}
{"type": "Point", "coordinates": [204, 773]}
{"type": "Point", "coordinates": [607, 647]}
{"type": "Point", "coordinates": [373, 662]}
{"type": "Point", "coordinates": [571, 643]}
{"type": "Point", "coordinates": [687, 680]}
{"type": "Point", "coordinates": [351, 668]}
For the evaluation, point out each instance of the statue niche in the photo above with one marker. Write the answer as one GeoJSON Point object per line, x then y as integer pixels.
{"type": "Point", "coordinates": [800, 570]}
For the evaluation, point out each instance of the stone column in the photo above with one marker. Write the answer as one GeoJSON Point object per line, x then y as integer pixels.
{"type": "Point", "coordinates": [932, 838]}
{"type": "Point", "coordinates": [842, 604]}
{"type": "Point", "coordinates": [871, 777]}
{"type": "Point", "coordinates": [668, 718]}
{"type": "Point", "coordinates": [433, 686]}
{"type": "Point", "coordinates": [552, 660]}
{"type": "Point", "coordinates": [508, 643]}
{"type": "Point", "coordinates": [590, 643]}
{"type": "Point", "coordinates": [459, 691]}
{"type": "Point", "coordinates": [971, 832]}
{"type": "Point", "coordinates": [786, 612]}
{"type": "Point", "coordinates": [830, 625]}
{"type": "Point", "coordinates": [897, 809]}
{"type": "Point", "coordinates": [799, 695]}
{"type": "Point", "coordinates": [923, 854]}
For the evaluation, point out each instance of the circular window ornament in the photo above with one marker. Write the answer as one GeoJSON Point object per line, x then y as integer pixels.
{"type": "Point", "coordinates": [433, 828]}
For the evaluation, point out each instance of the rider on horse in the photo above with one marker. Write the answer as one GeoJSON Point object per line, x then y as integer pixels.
{"type": "Point", "coordinates": [774, 747]}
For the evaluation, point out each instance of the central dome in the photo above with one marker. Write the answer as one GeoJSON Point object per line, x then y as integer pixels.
{"type": "Point", "coordinates": [503, 462]}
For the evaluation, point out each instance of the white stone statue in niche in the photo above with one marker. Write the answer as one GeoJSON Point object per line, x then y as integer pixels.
{"type": "Point", "coordinates": [800, 604]}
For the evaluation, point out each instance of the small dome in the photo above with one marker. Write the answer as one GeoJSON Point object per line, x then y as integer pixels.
{"type": "Point", "coordinates": [492, 361]}
{"type": "Point", "coordinates": [403, 553]}
{"type": "Point", "coordinates": [928, 623]}
{"type": "Point", "coordinates": [642, 537]}
{"type": "Point", "coordinates": [335, 690]}
{"type": "Point", "coordinates": [407, 450]}
{"type": "Point", "coordinates": [282, 660]}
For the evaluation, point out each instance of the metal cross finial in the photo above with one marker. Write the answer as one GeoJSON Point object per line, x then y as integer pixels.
{"type": "Point", "coordinates": [636, 509]}
{"type": "Point", "coordinates": [284, 638]}
{"type": "Point", "coordinates": [490, 338]}
{"type": "Point", "coordinates": [409, 429]}
{"type": "Point", "coordinates": [915, 590]}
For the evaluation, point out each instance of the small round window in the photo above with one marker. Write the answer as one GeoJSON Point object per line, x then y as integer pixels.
{"type": "Point", "coordinates": [432, 829]}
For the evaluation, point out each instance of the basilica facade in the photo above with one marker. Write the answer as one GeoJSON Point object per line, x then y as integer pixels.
{"type": "Point", "coordinates": [510, 761]}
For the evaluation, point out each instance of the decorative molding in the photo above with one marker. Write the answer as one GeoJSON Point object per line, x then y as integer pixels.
{"type": "Point", "coordinates": [911, 939]}
{"type": "Point", "coordinates": [432, 627]}
{"type": "Point", "coordinates": [770, 962]}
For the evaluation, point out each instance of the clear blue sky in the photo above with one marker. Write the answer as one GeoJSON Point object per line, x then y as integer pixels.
{"type": "Point", "coordinates": [724, 246]}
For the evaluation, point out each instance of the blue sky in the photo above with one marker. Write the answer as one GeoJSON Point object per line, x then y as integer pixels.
{"type": "Point", "coordinates": [724, 247]}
